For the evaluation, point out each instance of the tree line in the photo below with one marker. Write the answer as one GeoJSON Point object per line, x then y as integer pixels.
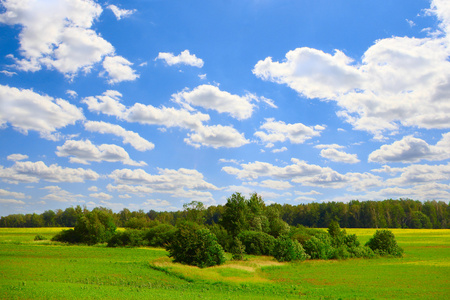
{"type": "Point", "coordinates": [402, 213]}
{"type": "Point", "coordinates": [246, 227]}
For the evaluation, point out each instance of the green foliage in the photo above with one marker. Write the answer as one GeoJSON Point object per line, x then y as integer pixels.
{"type": "Point", "coordinates": [91, 228]}
{"type": "Point", "coordinates": [238, 250]}
{"type": "Point", "coordinates": [223, 236]}
{"type": "Point", "coordinates": [320, 246]}
{"type": "Point", "coordinates": [195, 245]}
{"type": "Point", "coordinates": [383, 242]}
{"type": "Point", "coordinates": [40, 237]}
{"type": "Point", "coordinates": [337, 234]}
{"type": "Point", "coordinates": [195, 212]}
{"type": "Point", "coordinates": [234, 218]}
{"type": "Point", "coordinates": [160, 235]}
{"type": "Point", "coordinates": [257, 243]}
{"type": "Point", "coordinates": [127, 238]}
{"type": "Point", "coordinates": [286, 249]}
{"type": "Point", "coordinates": [137, 223]}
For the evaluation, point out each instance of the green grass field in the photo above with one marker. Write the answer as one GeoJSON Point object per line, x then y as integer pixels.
{"type": "Point", "coordinates": [44, 270]}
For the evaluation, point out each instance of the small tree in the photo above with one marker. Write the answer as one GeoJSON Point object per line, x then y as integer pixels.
{"type": "Point", "coordinates": [237, 250]}
{"type": "Point", "coordinates": [383, 243]}
{"type": "Point", "coordinates": [195, 245]}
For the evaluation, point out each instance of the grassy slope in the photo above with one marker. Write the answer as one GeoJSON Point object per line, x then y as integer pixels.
{"type": "Point", "coordinates": [42, 270]}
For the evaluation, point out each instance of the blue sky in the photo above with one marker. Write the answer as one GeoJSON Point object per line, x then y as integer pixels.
{"type": "Point", "coordinates": [153, 104]}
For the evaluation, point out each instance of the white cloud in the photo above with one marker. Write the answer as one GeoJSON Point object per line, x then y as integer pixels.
{"type": "Point", "coordinates": [17, 157]}
{"type": "Point", "coordinates": [35, 171]}
{"type": "Point", "coordinates": [328, 146]}
{"type": "Point", "coordinates": [72, 93]}
{"type": "Point", "coordinates": [339, 156]}
{"type": "Point", "coordinates": [129, 137]}
{"type": "Point", "coordinates": [103, 196]}
{"type": "Point", "coordinates": [216, 136]}
{"type": "Point", "coordinates": [108, 103]}
{"type": "Point", "coordinates": [211, 97]}
{"type": "Point", "coordinates": [60, 195]}
{"type": "Point", "coordinates": [118, 69]}
{"type": "Point", "coordinates": [125, 196]}
{"type": "Point", "coordinates": [11, 201]}
{"type": "Point", "coordinates": [411, 149]}
{"type": "Point", "coordinates": [93, 189]}
{"type": "Point", "coordinates": [399, 81]}
{"type": "Point", "coordinates": [8, 73]}
{"type": "Point", "coordinates": [184, 58]}
{"type": "Point", "coordinates": [420, 174]}
{"type": "Point", "coordinates": [5, 193]}
{"type": "Point", "coordinates": [306, 174]}
{"type": "Point", "coordinates": [282, 149]}
{"type": "Point", "coordinates": [57, 34]}
{"type": "Point", "coordinates": [84, 151]}
{"type": "Point", "coordinates": [278, 131]}
{"type": "Point", "coordinates": [26, 110]}
{"type": "Point", "coordinates": [121, 13]}
{"type": "Point", "coordinates": [276, 184]}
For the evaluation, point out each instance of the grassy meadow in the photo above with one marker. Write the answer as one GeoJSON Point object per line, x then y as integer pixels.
{"type": "Point", "coordinates": [45, 270]}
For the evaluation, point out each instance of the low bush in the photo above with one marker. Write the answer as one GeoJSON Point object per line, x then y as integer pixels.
{"type": "Point", "coordinates": [383, 243]}
{"type": "Point", "coordinates": [159, 235]}
{"type": "Point", "coordinates": [40, 237]}
{"type": "Point", "coordinates": [286, 249]}
{"type": "Point", "coordinates": [257, 243]}
{"type": "Point", "coordinates": [319, 246]}
{"type": "Point", "coordinates": [127, 238]}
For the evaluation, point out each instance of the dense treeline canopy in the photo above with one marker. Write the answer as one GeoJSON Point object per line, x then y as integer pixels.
{"type": "Point", "coordinates": [403, 213]}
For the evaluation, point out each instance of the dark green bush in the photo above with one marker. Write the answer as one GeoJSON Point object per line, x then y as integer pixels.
{"type": "Point", "coordinates": [160, 235]}
{"type": "Point", "coordinates": [257, 243]}
{"type": "Point", "coordinates": [383, 243]}
{"type": "Point", "coordinates": [224, 238]}
{"type": "Point", "coordinates": [91, 228]}
{"type": "Point", "coordinates": [127, 238]}
{"type": "Point", "coordinates": [40, 237]}
{"type": "Point", "coordinates": [319, 246]}
{"type": "Point", "coordinates": [195, 245]}
{"type": "Point", "coordinates": [67, 236]}
{"type": "Point", "coordinates": [286, 249]}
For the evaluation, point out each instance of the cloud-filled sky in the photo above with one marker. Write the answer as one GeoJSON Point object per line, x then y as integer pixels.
{"type": "Point", "coordinates": [153, 104]}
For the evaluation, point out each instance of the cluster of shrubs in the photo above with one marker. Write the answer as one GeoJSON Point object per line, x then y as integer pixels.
{"type": "Point", "coordinates": [191, 242]}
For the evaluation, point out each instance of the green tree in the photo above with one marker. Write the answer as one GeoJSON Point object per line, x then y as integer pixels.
{"type": "Point", "coordinates": [383, 242]}
{"type": "Point", "coordinates": [195, 245]}
{"type": "Point", "coordinates": [195, 211]}
{"type": "Point", "coordinates": [286, 249]}
{"type": "Point", "coordinates": [234, 218]}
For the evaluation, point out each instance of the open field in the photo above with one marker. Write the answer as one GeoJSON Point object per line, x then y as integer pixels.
{"type": "Point", "coordinates": [44, 270]}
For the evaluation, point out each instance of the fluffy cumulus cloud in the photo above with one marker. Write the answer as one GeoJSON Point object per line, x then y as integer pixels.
{"type": "Point", "coordinates": [121, 13]}
{"type": "Point", "coordinates": [101, 195]}
{"type": "Point", "coordinates": [411, 149]}
{"type": "Point", "coordinates": [84, 151]}
{"type": "Point", "coordinates": [279, 131]}
{"type": "Point", "coordinates": [55, 193]}
{"type": "Point", "coordinates": [215, 136]}
{"type": "Point", "coordinates": [306, 174]}
{"type": "Point", "coordinates": [119, 69]}
{"type": "Point", "coordinates": [5, 193]}
{"type": "Point", "coordinates": [399, 81]}
{"type": "Point", "coordinates": [182, 183]}
{"type": "Point", "coordinates": [211, 97]}
{"type": "Point", "coordinates": [339, 156]}
{"type": "Point", "coordinates": [28, 171]}
{"type": "Point", "coordinates": [184, 58]}
{"type": "Point", "coordinates": [17, 157]}
{"type": "Point", "coordinates": [57, 34]}
{"type": "Point", "coordinates": [27, 110]}
{"type": "Point", "coordinates": [129, 137]}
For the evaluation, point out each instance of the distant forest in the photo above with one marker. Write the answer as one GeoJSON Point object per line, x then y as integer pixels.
{"type": "Point", "coordinates": [403, 213]}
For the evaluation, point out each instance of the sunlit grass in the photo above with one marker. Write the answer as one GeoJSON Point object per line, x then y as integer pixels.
{"type": "Point", "coordinates": [35, 270]}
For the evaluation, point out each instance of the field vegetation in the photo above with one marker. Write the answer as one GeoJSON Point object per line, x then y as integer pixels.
{"type": "Point", "coordinates": [44, 269]}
